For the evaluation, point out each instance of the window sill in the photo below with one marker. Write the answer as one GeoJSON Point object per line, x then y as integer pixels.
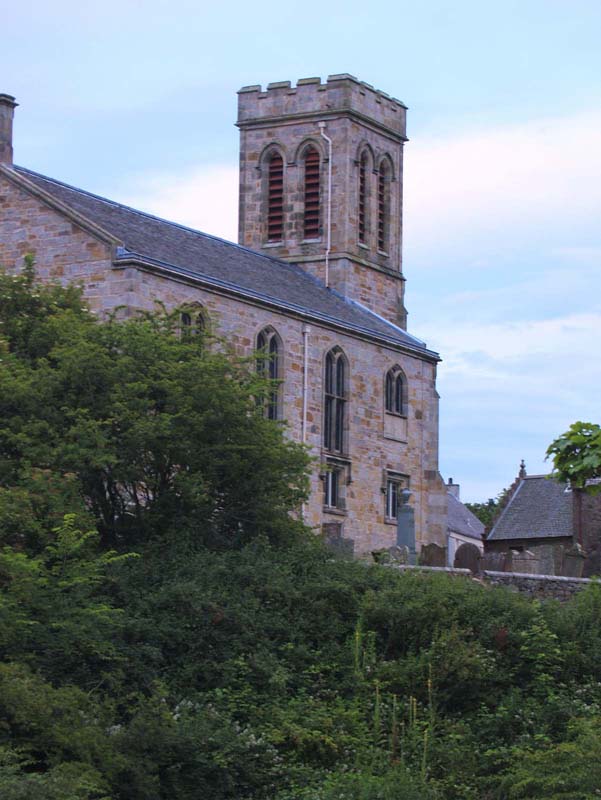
{"type": "Point", "coordinates": [390, 521]}
{"type": "Point", "coordinates": [392, 438]}
{"type": "Point", "coordinates": [363, 246]}
{"type": "Point", "coordinates": [336, 512]}
{"type": "Point", "coordinates": [383, 253]}
{"type": "Point", "coordinates": [396, 414]}
{"type": "Point", "coordinates": [274, 244]}
{"type": "Point", "coordinates": [335, 456]}
{"type": "Point", "coordinates": [312, 241]}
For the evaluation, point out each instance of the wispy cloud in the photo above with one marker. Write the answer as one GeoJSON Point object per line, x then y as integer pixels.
{"type": "Point", "coordinates": [505, 185]}
{"type": "Point", "coordinates": [205, 197]}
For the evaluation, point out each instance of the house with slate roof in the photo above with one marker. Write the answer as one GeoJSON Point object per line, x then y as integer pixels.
{"type": "Point", "coordinates": [316, 281]}
{"type": "Point", "coordinates": [545, 519]}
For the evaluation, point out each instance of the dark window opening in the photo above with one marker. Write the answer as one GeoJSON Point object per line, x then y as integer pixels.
{"type": "Point", "coordinates": [268, 365]}
{"type": "Point", "coordinates": [363, 198]}
{"type": "Point", "coordinates": [383, 207]}
{"type": "Point", "coordinates": [311, 218]}
{"type": "Point", "coordinates": [190, 326]}
{"type": "Point", "coordinates": [395, 392]}
{"type": "Point", "coordinates": [275, 199]}
{"type": "Point", "coordinates": [186, 324]}
{"type": "Point", "coordinates": [335, 402]}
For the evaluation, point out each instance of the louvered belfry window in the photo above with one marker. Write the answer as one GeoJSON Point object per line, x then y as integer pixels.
{"type": "Point", "coordinates": [311, 219]}
{"type": "Point", "coordinates": [362, 198]}
{"type": "Point", "coordinates": [275, 199]}
{"type": "Point", "coordinates": [383, 206]}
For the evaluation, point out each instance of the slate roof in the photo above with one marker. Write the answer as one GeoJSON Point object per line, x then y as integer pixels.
{"type": "Point", "coordinates": [540, 508]}
{"type": "Point", "coordinates": [461, 520]}
{"type": "Point", "coordinates": [221, 263]}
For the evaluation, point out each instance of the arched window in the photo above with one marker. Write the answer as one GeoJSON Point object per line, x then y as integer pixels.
{"type": "Point", "coordinates": [396, 392]}
{"type": "Point", "coordinates": [336, 382]}
{"type": "Point", "coordinates": [192, 323]}
{"type": "Point", "coordinates": [275, 198]}
{"type": "Point", "coordinates": [312, 192]}
{"type": "Point", "coordinates": [384, 177]}
{"type": "Point", "coordinates": [363, 198]}
{"type": "Point", "coordinates": [269, 366]}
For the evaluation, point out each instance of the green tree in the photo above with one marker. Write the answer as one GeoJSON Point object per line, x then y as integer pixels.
{"type": "Point", "coordinates": [158, 432]}
{"type": "Point", "coordinates": [576, 456]}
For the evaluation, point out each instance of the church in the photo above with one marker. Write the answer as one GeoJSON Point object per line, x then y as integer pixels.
{"type": "Point", "coordinates": [315, 282]}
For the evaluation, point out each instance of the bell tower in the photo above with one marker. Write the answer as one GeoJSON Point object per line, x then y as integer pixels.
{"type": "Point", "coordinates": [321, 184]}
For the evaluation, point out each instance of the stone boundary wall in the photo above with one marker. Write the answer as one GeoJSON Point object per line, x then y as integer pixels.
{"type": "Point", "coordinates": [540, 587]}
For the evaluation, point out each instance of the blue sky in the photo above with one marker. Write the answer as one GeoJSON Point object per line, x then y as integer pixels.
{"type": "Point", "coordinates": [136, 100]}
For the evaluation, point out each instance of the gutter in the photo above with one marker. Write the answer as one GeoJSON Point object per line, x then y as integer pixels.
{"type": "Point", "coordinates": [125, 258]}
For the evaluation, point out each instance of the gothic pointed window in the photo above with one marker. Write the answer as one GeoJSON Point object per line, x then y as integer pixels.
{"type": "Point", "coordinates": [192, 322]}
{"type": "Point", "coordinates": [384, 177]}
{"type": "Point", "coordinates": [269, 366]}
{"type": "Point", "coordinates": [335, 401]}
{"type": "Point", "coordinates": [396, 392]}
{"type": "Point", "coordinates": [362, 216]}
{"type": "Point", "coordinates": [312, 194]}
{"type": "Point", "coordinates": [275, 198]}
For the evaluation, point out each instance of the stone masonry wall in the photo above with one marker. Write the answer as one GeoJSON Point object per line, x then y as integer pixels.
{"type": "Point", "coordinates": [63, 251]}
{"type": "Point", "coordinates": [537, 587]}
{"type": "Point", "coordinates": [541, 587]}
{"type": "Point", "coordinates": [66, 252]}
{"type": "Point", "coordinates": [370, 452]}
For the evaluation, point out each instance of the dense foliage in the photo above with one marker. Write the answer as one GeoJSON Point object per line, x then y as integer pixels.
{"type": "Point", "coordinates": [576, 456]}
{"type": "Point", "coordinates": [169, 631]}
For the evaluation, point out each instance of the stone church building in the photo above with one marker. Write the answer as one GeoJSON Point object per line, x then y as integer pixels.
{"type": "Point", "coordinates": [316, 281]}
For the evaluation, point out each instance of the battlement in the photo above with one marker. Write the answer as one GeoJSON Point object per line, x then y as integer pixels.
{"type": "Point", "coordinates": [312, 99]}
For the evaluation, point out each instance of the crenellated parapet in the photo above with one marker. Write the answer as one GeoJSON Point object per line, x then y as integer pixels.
{"type": "Point", "coordinates": [313, 99]}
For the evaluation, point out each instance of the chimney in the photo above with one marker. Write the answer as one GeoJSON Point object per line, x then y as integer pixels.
{"type": "Point", "coordinates": [7, 110]}
{"type": "Point", "coordinates": [453, 488]}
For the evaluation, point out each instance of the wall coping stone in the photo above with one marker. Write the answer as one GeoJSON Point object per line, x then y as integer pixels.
{"type": "Point", "coordinates": [537, 577]}
{"type": "Point", "coordinates": [419, 568]}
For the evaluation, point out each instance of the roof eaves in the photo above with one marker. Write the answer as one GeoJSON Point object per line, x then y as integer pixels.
{"type": "Point", "coordinates": [138, 259]}
{"type": "Point", "coordinates": [79, 219]}
{"type": "Point", "coordinates": [419, 342]}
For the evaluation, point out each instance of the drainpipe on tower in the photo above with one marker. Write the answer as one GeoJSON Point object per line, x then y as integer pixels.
{"type": "Point", "coordinates": [322, 126]}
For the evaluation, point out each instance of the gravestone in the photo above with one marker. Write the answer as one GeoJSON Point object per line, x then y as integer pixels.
{"type": "Point", "coordinates": [547, 557]}
{"type": "Point", "coordinates": [496, 562]}
{"type": "Point", "coordinates": [332, 534]}
{"type": "Point", "coordinates": [573, 562]}
{"type": "Point", "coordinates": [405, 531]}
{"type": "Point", "coordinates": [525, 561]}
{"type": "Point", "coordinates": [391, 555]}
{"type": "Point", "coordinates": [468, 556]}
{"type": "Point", "coordinates": [433, 555]}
